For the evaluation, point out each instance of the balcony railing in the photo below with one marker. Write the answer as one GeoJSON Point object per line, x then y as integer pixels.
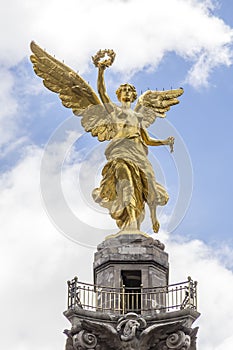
{"type": "Point", "coordinates": [140, 300]}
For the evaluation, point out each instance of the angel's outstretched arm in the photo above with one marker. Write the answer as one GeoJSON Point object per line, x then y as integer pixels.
{"type": "Point", "coordinates": [155, 142]}
{"type": "Point", "coordinates": [101, 84]}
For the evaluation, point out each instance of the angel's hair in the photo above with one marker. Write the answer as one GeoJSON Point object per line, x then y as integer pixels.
{"type": "Point", "coordinates": [134, 95]}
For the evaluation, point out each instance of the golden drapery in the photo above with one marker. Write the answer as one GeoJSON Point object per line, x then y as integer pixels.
{"type": "Point", "coordinates": [128, 182]}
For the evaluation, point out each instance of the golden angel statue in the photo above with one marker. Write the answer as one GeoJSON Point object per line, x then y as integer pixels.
{"type": "Point", "coordinates": [128, 178]}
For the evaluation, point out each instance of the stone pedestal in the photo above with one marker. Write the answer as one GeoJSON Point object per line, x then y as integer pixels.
{"type": "Point", "coordinates": [130, 306]}
{"type": "Point", "coordinates": [136, 259]}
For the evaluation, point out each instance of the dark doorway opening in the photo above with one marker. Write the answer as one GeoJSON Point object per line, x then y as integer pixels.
{"type": "Point", "coordinates": [131, 296]}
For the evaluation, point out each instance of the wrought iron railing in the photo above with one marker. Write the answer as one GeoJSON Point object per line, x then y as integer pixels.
{"type": "Point", "coordinates": [140, 300]}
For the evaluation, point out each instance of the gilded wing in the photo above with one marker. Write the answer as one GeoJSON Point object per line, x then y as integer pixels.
{"type": "Point", "coordinates": [154, 104]}
{"type": "Point", "coordinates": [99, 122]}
{"type": "Point", "coordinates": [74, 92]}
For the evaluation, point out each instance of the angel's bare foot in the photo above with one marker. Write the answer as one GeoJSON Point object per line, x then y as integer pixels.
{"type": "Point", "coordinates": [156, 226]}
{"type": "Point", "coordinates": [154, 220]}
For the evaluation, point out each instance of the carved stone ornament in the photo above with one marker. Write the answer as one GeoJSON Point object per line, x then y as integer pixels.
{"type": "Point", "coordinates": [80, 339]}
{"type": "Point", "coordinates": [128, 326]}
{"type": "Point", "coordinates": [84, 340]}
{"type": "Point", "coordinates": [131, 333]}
{"type": "Point", "coordinates": [176, 341]}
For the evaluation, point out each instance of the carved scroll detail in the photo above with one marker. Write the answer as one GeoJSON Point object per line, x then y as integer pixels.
{"type": "Point", "coordinates": [84, 340]}
{"type": "Point", "coordinates": [178, 340]}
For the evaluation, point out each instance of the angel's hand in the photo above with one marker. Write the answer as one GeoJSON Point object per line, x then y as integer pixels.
{"type": "Point", "coordinates": [103, 65]}
{"type": "Point", "coordinates": [170, 142]}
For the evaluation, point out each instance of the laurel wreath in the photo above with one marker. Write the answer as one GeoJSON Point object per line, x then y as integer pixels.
{"type": "Point", "coordinates": [97, 58]}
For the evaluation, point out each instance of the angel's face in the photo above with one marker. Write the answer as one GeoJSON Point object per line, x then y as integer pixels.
{"type": "Point", "coordinates": [126, 94]}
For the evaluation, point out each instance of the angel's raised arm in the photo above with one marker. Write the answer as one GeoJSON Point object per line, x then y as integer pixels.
{"type": "Point", "coordinates": [102, 62]}
{"type": "Point", "coordinates": [101, 85]}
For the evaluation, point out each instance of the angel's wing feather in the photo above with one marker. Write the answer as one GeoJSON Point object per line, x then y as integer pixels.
{"type": "Point", "coordinates": [73, 91]}
{"type": "Point", "coordinates": [154, 104]}
{"type": "Point", "coordinates": [99, 122]}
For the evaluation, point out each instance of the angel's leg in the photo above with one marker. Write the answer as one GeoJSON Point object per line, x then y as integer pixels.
{"type": "Point", "coordinates": [154, 219]}
{"type": "Point", "coordinates": [131, 222]}
{"type": "Point", "coordinates": [140, 218]}
{"type": "Point", "coordinates": [153, 200]}
{"type": "Point", "coordinates": [126, 196]}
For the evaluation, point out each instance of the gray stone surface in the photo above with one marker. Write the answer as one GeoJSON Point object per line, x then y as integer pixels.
{"type": "Point", "coordinates": [131, 252]}
{"type": "Point", "coordinates": [93, 330]}
{"type": "Point", "coordinates": [187, 316]}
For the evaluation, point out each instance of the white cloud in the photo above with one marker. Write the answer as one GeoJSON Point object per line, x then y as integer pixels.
{"type": "Point", "coordinates": [215, 282]}
{"type": "Point", "coordinates": [140, 32]}
{"type": "Point", "coordinates": [36, 261]}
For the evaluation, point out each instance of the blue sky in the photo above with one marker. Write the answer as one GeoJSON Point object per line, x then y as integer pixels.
{"type": "Point", "coordinates": [173, 43]}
